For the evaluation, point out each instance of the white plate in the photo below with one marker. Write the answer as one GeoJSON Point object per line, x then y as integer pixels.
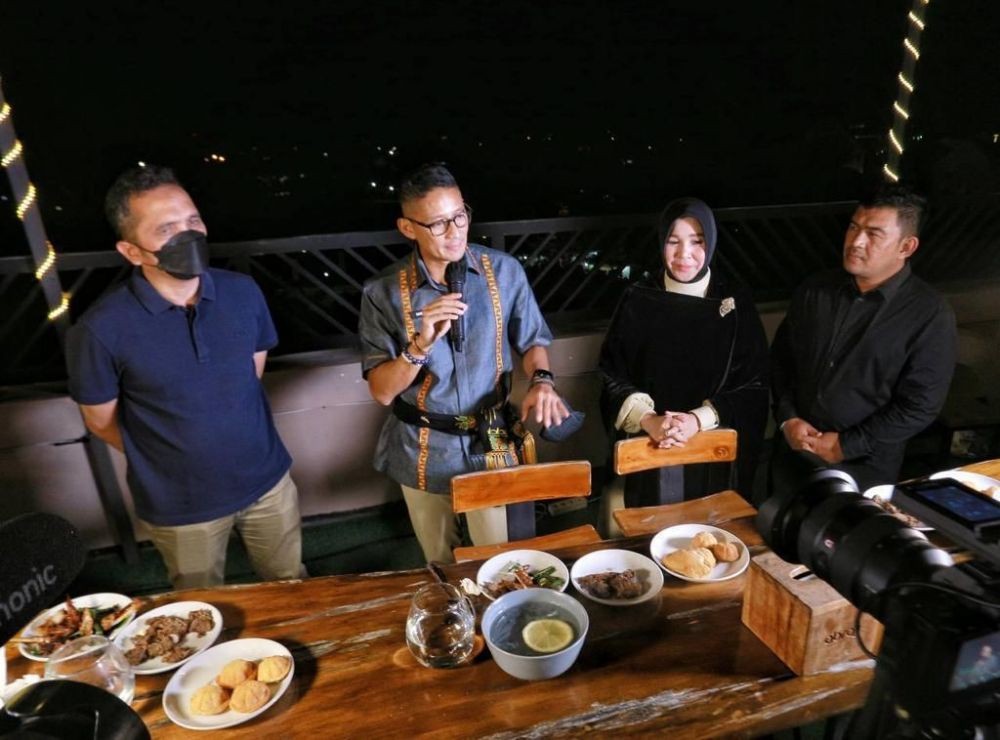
{"type": "Point", "coordinates": [978, 481]}
{"type": "Point", "coordinates": [93, 601]}
{"type": "Point", "coordinates": [679, 537]}
{"type": "Point", "coordinates": [602, 561]}
{"type": "Point", "coordinates": [192, 640]}
{"type": "Point", "coordinates": [203, 669]}
{"type": "Point", "coordinates": [535, 560]}
{"type": "Point", "coordinates": [884, 493]}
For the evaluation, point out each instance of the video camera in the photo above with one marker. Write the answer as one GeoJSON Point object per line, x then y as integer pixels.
{"type": "Point", "coordinates": [938, 669]}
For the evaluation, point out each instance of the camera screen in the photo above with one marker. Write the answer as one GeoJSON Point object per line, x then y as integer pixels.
{"type": "Point", "coordinates": [959, 502]}
{"type": "Point", "coordinates": [978, 662]}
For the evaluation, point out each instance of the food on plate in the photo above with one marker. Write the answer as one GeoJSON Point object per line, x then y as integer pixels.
{"type": "Point", "coordinates": [547, 635]}
{"type": "Point", "coordinates": [515, 576]}
{"type": "Point", "coordinates": [209, 699]}
{"type": "Point", "coordinates": [887, 505]}
{"type": "Point", "coordinates": [613, 585]}
{"type": "Point", "coordinates": [725, 552]}
{"type": "Point", "coordinates": [71, 622]}
{"type": "Point", "coordinates": [703, 539]}
{"type": "Point", "coordinates": [274, 668]}
{"type": "Point", "coordinates": [694, 563]}
{"type": "Point", "coordinates": [163, 637]}
{"type": "Point", "coordinates": [236, 672]}
{"type": "Point", "coordinates": [250, 696]}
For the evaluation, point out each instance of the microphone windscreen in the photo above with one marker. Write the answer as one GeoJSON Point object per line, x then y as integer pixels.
{"type": "Point", "coordinates": [40, 555]}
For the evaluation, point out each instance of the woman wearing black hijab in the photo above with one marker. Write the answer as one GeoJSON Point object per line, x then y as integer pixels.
{"type": "Point", "coordinates": [686, 352]}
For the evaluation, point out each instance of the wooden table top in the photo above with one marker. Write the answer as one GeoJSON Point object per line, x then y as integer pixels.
{"type": "Point", "coordinates": [682, 663]}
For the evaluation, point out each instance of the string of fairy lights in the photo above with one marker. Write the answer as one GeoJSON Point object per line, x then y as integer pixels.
{"type": "Point", "coordinates": [906, 80]}
{"type": "Point", "coordinates": [26, 201]}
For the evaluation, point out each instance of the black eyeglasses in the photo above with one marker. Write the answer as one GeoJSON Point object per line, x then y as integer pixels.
{"type": "Point", "coordinates": [440, 228]}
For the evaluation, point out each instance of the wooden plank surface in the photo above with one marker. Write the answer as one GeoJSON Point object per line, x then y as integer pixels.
{"type": "Point", "coordinates": [640, 453]}
{"type": "Point", "coordinates": [717, 509]}
{"type": "Point", "coordinates": [538, 482]}
{"type": "Point", "coordinates": [681, 665]}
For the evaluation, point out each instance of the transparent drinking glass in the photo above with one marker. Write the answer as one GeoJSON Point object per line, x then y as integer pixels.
{"type": "Point", "coordinates": [94, 660]}
{"type": "Point", "coordinates": [441, 626]}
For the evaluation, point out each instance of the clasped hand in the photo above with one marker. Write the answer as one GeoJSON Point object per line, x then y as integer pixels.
{"type": "Point", "coordinates": [671, 429]}
{"type": "Point", "coordinates": [804, 437]}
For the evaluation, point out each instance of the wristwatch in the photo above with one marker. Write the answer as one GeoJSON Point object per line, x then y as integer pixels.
{"type": "Point", "coordinates": [543, 376]}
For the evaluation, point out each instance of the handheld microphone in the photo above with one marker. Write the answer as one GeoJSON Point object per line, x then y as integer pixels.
{"type": "Point", "coordinates": [454, 274]}
{"type": "Point", "coordinates": [40, 556]}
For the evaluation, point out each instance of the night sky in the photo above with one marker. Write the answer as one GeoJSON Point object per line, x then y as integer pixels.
{"type": "Point", "coordinates": [541, 108]}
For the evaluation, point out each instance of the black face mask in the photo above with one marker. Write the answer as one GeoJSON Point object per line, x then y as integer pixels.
{"type": "Point", "coordinates": [184, 256]}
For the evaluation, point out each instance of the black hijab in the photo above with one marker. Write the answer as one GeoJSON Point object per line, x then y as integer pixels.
{"type": "Point", "coordinates": [688, 208]}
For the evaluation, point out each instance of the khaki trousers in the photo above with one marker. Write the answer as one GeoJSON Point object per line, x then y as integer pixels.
{"type": "Point", "coordinates": [436, 525]}
{"type": "Point", "coordinates": [271, 528]}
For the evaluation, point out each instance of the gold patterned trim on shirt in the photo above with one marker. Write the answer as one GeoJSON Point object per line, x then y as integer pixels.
{"type": "Point", "coordinates": [407, 280]}
{"type": "Point", "coordinates": [491, 282]}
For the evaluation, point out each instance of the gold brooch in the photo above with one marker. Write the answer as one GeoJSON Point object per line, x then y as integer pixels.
{"type": "Point", "coordinates": [728, 304]}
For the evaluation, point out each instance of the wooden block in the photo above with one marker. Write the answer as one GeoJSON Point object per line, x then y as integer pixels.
{"type": "Point", "coordinates": [804, 621]}
{"type": "Point", "coordinates": [538, 482]}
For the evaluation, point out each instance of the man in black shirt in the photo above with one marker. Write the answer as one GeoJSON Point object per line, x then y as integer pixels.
{"type": "Point", "coordinates": [864, 357]}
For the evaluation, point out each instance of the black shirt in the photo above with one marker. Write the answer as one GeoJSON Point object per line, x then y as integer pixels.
{"type": "Point", "coordinates": [874, 366]}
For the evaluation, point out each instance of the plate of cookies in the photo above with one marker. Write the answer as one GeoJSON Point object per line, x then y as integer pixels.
{"type": "Point", "coordinates": [699, 552]}
{"type": "Point", "coordinates": [228, 684]}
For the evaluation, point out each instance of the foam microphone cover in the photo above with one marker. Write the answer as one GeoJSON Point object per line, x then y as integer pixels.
{"type": "Point", "coordinates": [40, 555]}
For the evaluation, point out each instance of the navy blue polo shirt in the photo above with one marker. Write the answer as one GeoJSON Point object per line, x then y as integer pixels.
{"type": "Point", "coordinates": [196, 425]}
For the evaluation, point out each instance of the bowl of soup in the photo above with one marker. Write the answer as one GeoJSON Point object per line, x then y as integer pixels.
{"type": "Point", "coordinates": [535, 633]}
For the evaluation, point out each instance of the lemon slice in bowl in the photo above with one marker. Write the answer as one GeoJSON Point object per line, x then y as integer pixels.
{"type": "Point", "coordinates": [547, 635]}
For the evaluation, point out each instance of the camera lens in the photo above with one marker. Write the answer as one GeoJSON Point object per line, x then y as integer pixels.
{"type": "Point", "coordinates": [844, 538]}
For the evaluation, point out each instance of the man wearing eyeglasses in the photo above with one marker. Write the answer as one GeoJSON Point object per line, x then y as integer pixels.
{"type": "Point", "coordinates": [449, 394]}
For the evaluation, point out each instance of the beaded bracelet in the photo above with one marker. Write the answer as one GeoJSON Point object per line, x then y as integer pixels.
{"type": "Point", "coordinates": [413, 359]}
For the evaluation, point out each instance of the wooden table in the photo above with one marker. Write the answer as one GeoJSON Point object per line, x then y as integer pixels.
{"type": "Point", "coordinates": [682, 664]}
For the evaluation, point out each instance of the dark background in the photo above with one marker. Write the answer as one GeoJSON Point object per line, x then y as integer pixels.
{"type": "Point", "coordinates": [541, 108]}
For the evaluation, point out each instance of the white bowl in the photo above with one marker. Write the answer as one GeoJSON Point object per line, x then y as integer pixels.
{"type": "Point", "coordinates": [535, 559]}
{"type": "Point", "coordinates": [602, 561]}
{"type": "Point", "coordinates": [536, 667]}
{"type": "Point", "coordinates": [679, 537]}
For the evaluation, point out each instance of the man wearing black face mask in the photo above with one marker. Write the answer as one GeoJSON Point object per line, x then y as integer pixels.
{"type": "Point", "coordinates": [166, 369]}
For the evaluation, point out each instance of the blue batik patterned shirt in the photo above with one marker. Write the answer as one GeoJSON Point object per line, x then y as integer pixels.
{"type": "Point", "coordinates": [503, 318]}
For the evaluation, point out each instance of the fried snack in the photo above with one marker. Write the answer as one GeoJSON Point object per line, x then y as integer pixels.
{"type": "Point", "coordinates": [235, 672]}
{"type": "Point", "coordinates": [690, 563]}
{"type": "Point", "coordinates": [703, 539]}
{"type": "Point", "coordinates": [210, 699]}
{"type": "Point", "coordinates": [726, 552]}
{"type": "Point", "coordinates": [705, 554]}
{"type": "Point", "coordinates": [274, 668]}
{"type": "Point", "coordinates": [249, 696]}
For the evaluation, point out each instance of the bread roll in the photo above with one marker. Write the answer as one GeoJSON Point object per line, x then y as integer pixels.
{"type": "Point", "coordinates": [249, 696]}
{"type": "Point", "coordinates": [236, 672]}
{"type": "Point", "coordinates": [703, 539]}
{"type": "Point", "coordinates": [210, 699]}
{"type": "Point", "coordinates": [274, 668]}
{"type": "Point", "coordinates": [726, 552]}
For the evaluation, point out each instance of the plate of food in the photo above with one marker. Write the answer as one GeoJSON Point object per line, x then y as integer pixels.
{"type": "Point", "coordinates": [982, 483]}
{"type": "Point", "coordinates": [517, 569]}
{"type": "Point", "coordinates": [882, 495]}
{"type": "Point", "coordinates": [699, 553]}
{"type": "Point", "coordinates": [616, 577]}
{"type": "Point", "coordinates": [164, 638]}
{"type": "Point", "coordinates": [93, 614]}
{"type": "Point", "coordinates": [228, 684]}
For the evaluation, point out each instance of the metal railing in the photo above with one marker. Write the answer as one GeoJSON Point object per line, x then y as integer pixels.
{"type": "Point", "coordinates": [577, 266]}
